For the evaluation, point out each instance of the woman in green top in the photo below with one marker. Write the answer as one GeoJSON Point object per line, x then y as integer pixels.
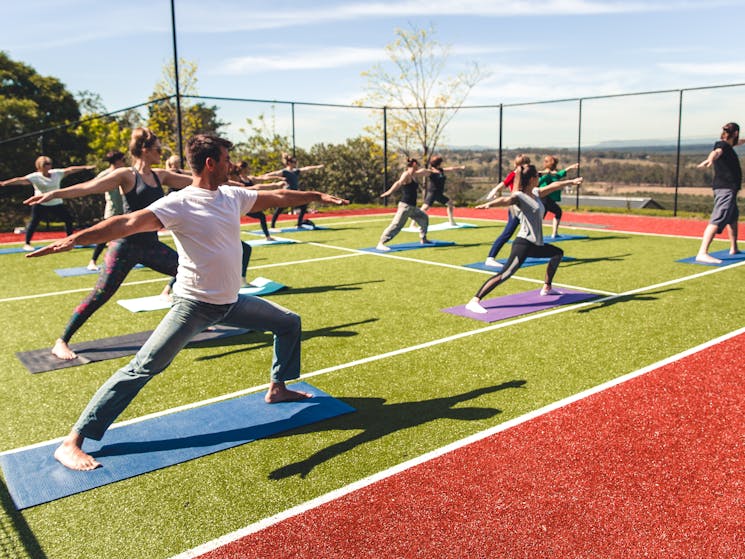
{"type": "Point", "coordinates": [550, 174]}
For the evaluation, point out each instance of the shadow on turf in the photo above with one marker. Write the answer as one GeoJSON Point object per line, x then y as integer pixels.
{"type": "Point", "coordinates": [14, 527]}
{"type": "Point", "coordinates": [575, 261]}
{"type": "Point", "coordinates": [324, 288]}
{"type": "Point", "coordinates": [607, 302]}
{"type": "Point", "coordinates": [376, 419]}
{"type": "Point", "coordinates": [258, 340]}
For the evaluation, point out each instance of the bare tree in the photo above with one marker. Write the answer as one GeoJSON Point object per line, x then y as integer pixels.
{"type": "Point", "coordinates": [422, 98]}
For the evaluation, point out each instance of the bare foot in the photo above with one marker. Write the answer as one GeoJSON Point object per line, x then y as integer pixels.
{"type": "Point", "coordinates": [278, 392]}
{"type": "Point", "coordinates": [70, 455]}
{"type": "Point", "coordinates": [735, 251]}
{"type": "Point", "coordinates": [62, 351]}
{"type": "Point", "coordinates": [270, 238]}
{"type": "Point", "coordinates": [426, 241]}
{"type": "Point", "coordinates": [707, 259]}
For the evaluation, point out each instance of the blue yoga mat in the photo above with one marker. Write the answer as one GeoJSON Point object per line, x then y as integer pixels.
{"type": "Point", "coordinates": [15, 250]}
{"type": "Point", "coordinates": [291, 230]}
{"type": "Point", "coordinates": [34, 477]}
{"type": "Point", "coordinates": [723, 255]}
{"type": "Point", "coordinates": [559, 238]}
{"type": "Point", "coordinates": [264, 242]}
{"type": "Point", "coordinates": [409, 246]}
{"type": "Point", "coordinates": [529, 261]}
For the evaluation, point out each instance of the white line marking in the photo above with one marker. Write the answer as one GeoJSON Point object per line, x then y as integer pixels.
{"type": "Point", "coordinates": [365, 482]}
{"type": "Point", "coordinates": [394, 353]}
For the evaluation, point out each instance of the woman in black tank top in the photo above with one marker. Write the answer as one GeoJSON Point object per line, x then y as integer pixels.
{"type": "Point", "coordinates": [407, 206]}
{"type": "Point", "coordinates": [140, 185]}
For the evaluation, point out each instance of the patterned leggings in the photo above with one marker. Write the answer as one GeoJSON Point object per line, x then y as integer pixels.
{"type": "Point", "coordinates": [122, 256]}
{"type": "Point", "coordinates": [521, 249]}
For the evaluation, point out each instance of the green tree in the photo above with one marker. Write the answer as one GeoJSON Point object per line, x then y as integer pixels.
{"type": "Point", "coordinates": [414, 82]}
{"type": "Point", "coordinates": [263, 147]}
{"type": "Point", "coordinates": [195, 117]}
{"type": "Point", "coordinates": [30, 102]}
{"type": "Point", "coordinates": [353, 170]}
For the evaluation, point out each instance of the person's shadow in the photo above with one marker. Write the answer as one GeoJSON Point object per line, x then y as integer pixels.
{"type": "Point", "coordinates": [255, 340]}
{"type": "Point", "coordinates": [615, 300]}
{"type": "Point", "coordinates": [376, 419]}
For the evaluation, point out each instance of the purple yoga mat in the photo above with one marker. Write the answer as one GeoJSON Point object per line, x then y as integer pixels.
{"type": "Point", "coordinates": [518, 304]}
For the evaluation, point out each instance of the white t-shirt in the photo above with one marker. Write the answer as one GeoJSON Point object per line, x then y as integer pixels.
{"type": "Point", "coordinates": [206, 229]}
{"type": "Point", "coordinates": [44, 184]}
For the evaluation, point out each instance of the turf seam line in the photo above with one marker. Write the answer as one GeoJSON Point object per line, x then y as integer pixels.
{"type": "Point", "coordinates": [389, 472]}
{"type": "Point", "coordinates": [394, 353]}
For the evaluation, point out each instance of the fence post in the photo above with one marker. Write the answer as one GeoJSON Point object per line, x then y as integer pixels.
{"type": "Point", "coordinates": [385, 153]}
{"type": "Point", "coordinates": [179, 132]}
{"type": "Point", "coordinates": [677, 158]}
{"type": "Point", "coordinates": [579, 152]}
{"type": "Point", "coordinates": [501, 114]}
{"type": "Point", "coordinates": [292, 108]}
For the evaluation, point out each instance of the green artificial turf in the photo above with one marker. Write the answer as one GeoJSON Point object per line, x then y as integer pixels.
{"type": "Point", "coordinates": [356, 307]}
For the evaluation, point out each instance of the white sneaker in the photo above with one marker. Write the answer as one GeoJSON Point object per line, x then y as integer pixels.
{"type": "Point", "coordinates": [28, 248]}
{"type": "Point", "coordinates": [475, 306]}
{"type": "Point", "coordinates": [92, 267]}
{"type": "Point", "coordinates": [382, 248]}
{"type": "Point", "coordinates": [492, 263]}
{"type": "Point", "coordinates": [549, 291]}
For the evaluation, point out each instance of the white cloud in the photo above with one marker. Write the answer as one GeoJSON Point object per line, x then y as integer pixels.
{"type": "Point", "coordinates": [308, 60]}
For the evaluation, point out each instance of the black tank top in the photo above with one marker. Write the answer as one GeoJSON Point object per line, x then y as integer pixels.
{"type": "Point", "coordinates": [140, 197]}
{"type": "Point", "coordinates": [437, 180]}
{"type": "Point", "coordinates": [409, 192]}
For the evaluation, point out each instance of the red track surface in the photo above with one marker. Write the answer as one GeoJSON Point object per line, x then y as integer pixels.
{"type": "Point", "coordinates": [653, 467]}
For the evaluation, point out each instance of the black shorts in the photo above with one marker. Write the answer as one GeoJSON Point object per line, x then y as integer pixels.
{"type": "Point", "coordinates": [433, 196]}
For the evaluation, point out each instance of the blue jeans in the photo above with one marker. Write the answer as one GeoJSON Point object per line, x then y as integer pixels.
{"type": "Point", "coordinates": [186, 319]}
{"type": "Point", "coordinates": [507, 232]}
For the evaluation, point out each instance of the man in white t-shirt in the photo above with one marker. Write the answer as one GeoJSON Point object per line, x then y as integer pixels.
{"type": "Point", "coordinates": [205, 221]}
{"type": "Point", "coordinates": [46, 179]}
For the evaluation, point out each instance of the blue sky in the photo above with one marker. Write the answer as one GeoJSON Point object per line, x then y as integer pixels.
{"type": "Point", "coordinates": [315, 51]}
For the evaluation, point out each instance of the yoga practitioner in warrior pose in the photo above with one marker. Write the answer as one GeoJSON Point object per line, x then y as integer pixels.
{"type": "Point", "coordinates": [525, 203]}
{"type": "Point", "coordinates": [407, 206]}
{"type": "Point", "coordinates": [205, 221]}
{"type": "Point", "coordinates": [436, 187]}
{"type": "Point", "coordinates": [291, 175]}
{"type": "Point", "coordinates": [46, 179]}
{"type": "Point", "coordinates": [551, 202]}
{"type": "Point", "coordinates": [141, 185]}
{"type": "Point", "coordinates": [114, 201]}
{"type": "Point", "coordinates": [726, 184]}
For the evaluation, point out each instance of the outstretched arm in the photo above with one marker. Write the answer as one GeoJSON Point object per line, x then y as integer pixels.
{"type": "Point", "coordinates": [17, 181]}
{"type": "Point", "coordinates": [310, 168]}
{"type": "Point", "coordinates": [113, 228]}
{"type": "Point", "coordinates": [456, 168]}
{"type": "Point", "coordinates": [502, 201]}
{"type": "Point", "coordinates": [286, 198]}
{"type": "Point", "coordinates": [713, 156]}
{"type": "Point", "coordinates": [546, 190]}
{"type": "Point", "coordinates": [405, 178]}
{"type": "Point", "coordinates": [77, 169]}
{"type": "Point", "coordinates": [99, 185]}
{"type": "Point", "coordinates": [174, 180]}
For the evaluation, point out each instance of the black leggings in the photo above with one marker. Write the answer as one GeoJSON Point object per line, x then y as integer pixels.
{"type": "Point", "coordinates": [521, 249]}
{"type": "Point", "coordinates": [48, 213]}
{"type": "Point", "coordinates": [552, 206]}
{"type": "Point", "coordinates": [300, 217]}
{"type": "Point", "coordinates": [262, 221]}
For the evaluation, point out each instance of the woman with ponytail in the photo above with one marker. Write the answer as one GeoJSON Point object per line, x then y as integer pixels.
{"type": "Point", "coordinates": [525, 204]}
